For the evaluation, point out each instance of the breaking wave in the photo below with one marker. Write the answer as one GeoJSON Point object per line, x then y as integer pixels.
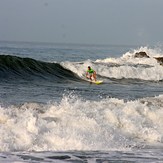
{"type": "Point", "coordinates": [125, 67]}
{"type": "Point", "coordinates": [77, 124]}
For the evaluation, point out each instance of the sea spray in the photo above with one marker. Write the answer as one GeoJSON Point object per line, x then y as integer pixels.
{"type": "Point", "coordinates": [78, 124]}
{"type": "Point", "coordinates": [124, 67]}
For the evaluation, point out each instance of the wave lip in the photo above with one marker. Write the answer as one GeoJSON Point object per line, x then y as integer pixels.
{"type": "Point", "coordinates": [25, 68]}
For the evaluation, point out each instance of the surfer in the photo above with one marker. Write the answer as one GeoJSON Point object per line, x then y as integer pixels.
{"type": "Point", "coordinates": [91, 73]}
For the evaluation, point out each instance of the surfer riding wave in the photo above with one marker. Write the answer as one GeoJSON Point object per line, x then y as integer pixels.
{"type": "Point", "coordinates": [91, 74]}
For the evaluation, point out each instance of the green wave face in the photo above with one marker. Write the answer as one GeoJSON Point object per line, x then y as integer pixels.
{"type": "Point", "coordinates": [17, 67]}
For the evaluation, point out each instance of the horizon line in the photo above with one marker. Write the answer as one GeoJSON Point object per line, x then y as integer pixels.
{"type": "Point", "coordinates": [70, 43]}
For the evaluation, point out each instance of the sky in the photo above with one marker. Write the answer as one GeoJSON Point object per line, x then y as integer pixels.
{"type": "Point", "coordinates": [108, 22]}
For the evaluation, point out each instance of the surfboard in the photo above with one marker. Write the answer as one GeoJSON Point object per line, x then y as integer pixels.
{"type": "Point", "coordinates": [92, 81]}
{"type": "Point", "coordinates": [95, 82]}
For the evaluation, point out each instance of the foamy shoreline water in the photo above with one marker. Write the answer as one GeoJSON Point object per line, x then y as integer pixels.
{"type": "Point", "coordinates": [76, 124]}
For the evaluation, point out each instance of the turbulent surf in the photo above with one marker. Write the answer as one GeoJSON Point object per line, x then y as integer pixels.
{"type": "Point", "coordinates": [50, 114]}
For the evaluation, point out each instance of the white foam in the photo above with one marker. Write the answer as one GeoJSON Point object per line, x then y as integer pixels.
{"type": "Point", "coordinates": [124, 67]}
{"type": "Point", "coordinates": [77, 124]}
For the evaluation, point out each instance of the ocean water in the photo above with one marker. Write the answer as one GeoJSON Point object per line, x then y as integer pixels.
{"type": "Point", "coordinates": [49, 113]}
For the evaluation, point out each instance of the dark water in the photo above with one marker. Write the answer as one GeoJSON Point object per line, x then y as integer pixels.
{"type": "Point", "coordinates": [49, 112]}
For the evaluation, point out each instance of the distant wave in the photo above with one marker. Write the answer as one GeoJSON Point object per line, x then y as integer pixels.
{"type": "Point", "coordinates": [27, 68]}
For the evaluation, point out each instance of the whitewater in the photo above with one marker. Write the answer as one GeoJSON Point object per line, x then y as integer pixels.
{"type": "Point", "coordinates": [49, 113]}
